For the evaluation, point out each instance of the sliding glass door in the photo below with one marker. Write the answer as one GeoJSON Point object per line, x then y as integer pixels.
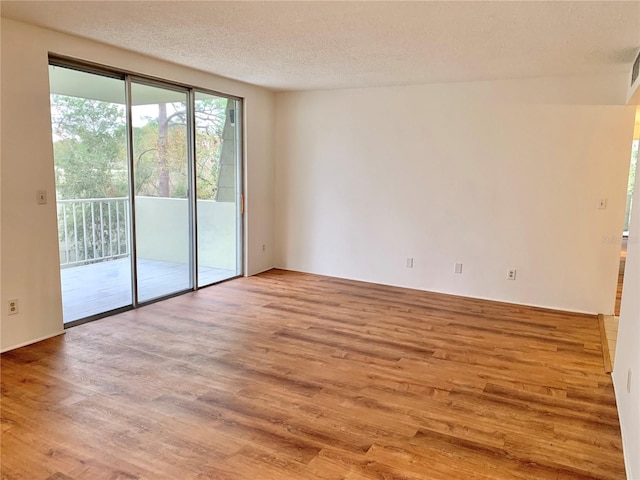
{"type": "Point", "coordinates": [88, 119]}
{"type": "Point", "coordinates": [161, 172]}
{"type": "Point", "coordinates": [217, 185]}
{"type": "Point", "coordinates": [148, 188]}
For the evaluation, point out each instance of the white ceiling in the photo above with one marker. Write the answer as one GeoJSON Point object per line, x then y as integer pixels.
{"type": "Point", "coordinates": [334, 44]}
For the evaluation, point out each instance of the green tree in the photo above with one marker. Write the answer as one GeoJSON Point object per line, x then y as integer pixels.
{"type": "Point", "coordinates": [211, 120]}
{"type": "Point", "coordinates": [91, 154]}
{"type": "Point", "coordinates": [89, 148]}
{"type": "Point", "coordinates": [161, 146]}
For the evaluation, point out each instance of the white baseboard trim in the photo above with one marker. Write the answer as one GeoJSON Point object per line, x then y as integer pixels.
{"type": "Point", "coordinates": [29, 342]}
{"type": "Point", "coordinates": [259, 272]}
{"type": "Point", "coordinates": [625, 446]}
{"type": "Point", "coordinates": [453, 294]}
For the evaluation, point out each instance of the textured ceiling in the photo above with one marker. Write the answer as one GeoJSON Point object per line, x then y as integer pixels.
{"type": "Point", "coordinates": [320, 45]}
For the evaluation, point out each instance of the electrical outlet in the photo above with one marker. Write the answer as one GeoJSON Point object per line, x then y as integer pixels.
{"type": "Point", "coordinates": [409, 262]}
{"type": "Point", "coordinates": [457, 268]}
{"type": "Point", "coordinates": [264, 247]}
{"type": "Point", "coordinates": [511, 274]}
{"type": "Point", "coordinates": [41, 197]}
{"type": "Point", "coordinates": [13, 306]}
{"type": "Point", "coordinates": [629, 381]}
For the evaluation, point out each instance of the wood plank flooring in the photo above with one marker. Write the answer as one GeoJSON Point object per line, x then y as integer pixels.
{"type": "Point", "coordinates": [623, 260]}
{"type": "Point", "coordinates": [294, 376]}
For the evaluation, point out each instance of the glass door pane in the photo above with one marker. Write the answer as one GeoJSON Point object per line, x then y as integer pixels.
{"type": "Point", "coordinates": [217, 185]}
{"type": "Point", "coordinates": [88, 118]}
{"type": "Point", "coordinates": [161, 174]}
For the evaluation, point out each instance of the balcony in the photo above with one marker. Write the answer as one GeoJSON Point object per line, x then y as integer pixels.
{"type": "Point", "coordinates": [95, 250]}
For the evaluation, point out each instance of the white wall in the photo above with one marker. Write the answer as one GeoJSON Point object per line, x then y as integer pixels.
{"type": "Point", "coordinates": [162, 231]}
{"type": "Point", "coordinates": [628, 348]}
{"type": "Point", "coordinates": [490, 174]}
{"type": "Point", "coordinates": [627, 356]}
{"type": "Point", "coordinates": [29, 233]}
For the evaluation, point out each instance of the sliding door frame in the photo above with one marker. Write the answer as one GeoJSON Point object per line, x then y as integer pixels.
{"type": "Point", "coordinates": [160, 84]}
{"type": "Point", "coordinates": [130, 77]}
{"type": "Point", "coordinates": [240, 183]}
{"type": "Point", "coordinates": [193, 192]}
{"type": "Point", "coordinates": [133, 258]}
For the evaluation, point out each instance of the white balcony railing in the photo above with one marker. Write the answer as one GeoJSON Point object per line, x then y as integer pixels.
{"type": "Point", "coordinates": [627, 212]}
{"type": "Point", "coordinates": [92, 230]}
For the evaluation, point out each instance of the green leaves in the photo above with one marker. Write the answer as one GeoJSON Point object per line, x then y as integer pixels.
{"type": "Point", "coordinates": [90, 149]}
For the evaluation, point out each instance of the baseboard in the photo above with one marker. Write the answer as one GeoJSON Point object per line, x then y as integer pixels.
{"type": "Point", "coordinates": [261, 271]}
{"type": "Point", "coordinates": [606, 354]}
{"type": "Point", "coordinates": [625, 447]}
{"type": "Point", "coordinates": [30, 342]}
{"type": "Point", "coordinates": [451, 294]}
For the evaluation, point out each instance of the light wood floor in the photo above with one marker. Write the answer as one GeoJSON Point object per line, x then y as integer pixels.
{"type": "Point", "coordinates": [611, 321]}
{"type": "Point", "coordinates": [292, 376]}
{"type": "Point", "coordinates": [623, 260]}
{"type": "Point", "coordinates": [611, 324]}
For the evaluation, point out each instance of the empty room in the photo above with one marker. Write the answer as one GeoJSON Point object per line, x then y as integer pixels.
{"type": "Point", "coordinates": [319, 240]}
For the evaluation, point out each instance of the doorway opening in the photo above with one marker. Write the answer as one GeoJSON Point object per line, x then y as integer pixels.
{"type": "Point", "coordinates": [610, 322]}
{"type": "Point", "coordinates": [629, 205]}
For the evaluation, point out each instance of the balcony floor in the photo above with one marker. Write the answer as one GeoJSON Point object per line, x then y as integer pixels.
{"type": "Point", "coordinates": [91, 289]}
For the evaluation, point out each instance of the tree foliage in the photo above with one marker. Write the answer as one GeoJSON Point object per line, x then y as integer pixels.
{"type": "Point", "coordinates": [90, 149]}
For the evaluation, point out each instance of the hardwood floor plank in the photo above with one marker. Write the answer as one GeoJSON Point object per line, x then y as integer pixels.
{"type": "Point", "coordinates": [289, 376]}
